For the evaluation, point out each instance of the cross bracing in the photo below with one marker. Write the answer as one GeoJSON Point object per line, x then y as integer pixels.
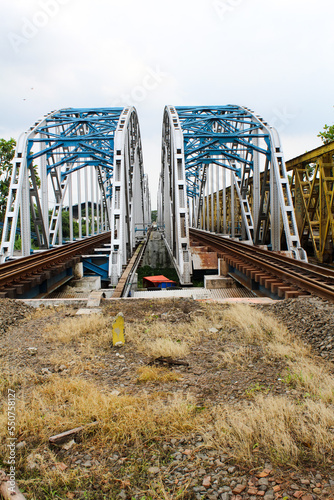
{"type": "Point", "coordinates": [81, 154]}
{"type": "Point", "coordinates": [223, 170]}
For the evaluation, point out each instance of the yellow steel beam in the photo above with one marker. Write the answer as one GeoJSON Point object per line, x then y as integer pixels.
{"type": "Point", "coordinates": [310, 156]}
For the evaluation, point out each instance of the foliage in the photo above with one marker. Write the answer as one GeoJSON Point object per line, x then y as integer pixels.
{"type": "Point", "coordinates": [7, 151]}
{"type": "Point", "coordinates": [66, 225]}
{"type": "Point", "coordinates": [154, 215]}
{"type": "Point", "coordinates": [327, 135]}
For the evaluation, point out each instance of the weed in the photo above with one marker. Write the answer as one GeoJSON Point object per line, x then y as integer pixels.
{"type": "Point", "coordinates": [255, 389]}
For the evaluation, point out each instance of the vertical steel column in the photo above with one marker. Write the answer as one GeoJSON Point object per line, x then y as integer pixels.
{"type": "Point", "coordinates": [97, 197]}
{"type": "Point", "coordinates": [275, 213]}
{"type": "Point", "coordinates": [25, 214]}
{"type": "Point", "coordinates": [44, 193]}
{"type": "Point", "coordinates": [224, 202]}
{"type": "Point", "coordinates": [79, 204]}
{"type": "Point", "coordinates": [93, 198]}
{"type": "Point", "coordinates": [207, 225]}
{"type": "Point", "coordinates": [86, 202]}
{"type": "Point", "coordinates": [217, 198]}
{"type": "Point", "coordinates": [256, 186]}
{"type": "Point", "coordinates": [232, 206]}
{"type": "Point", "coordinates": [70, 206]}
{"type": "Point", "coordinates": [212, 198]}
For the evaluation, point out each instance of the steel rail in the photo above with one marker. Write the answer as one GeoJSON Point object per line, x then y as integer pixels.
{"type": "Point", "coordinates": [14, 271]}
{"type": "Point", "coordinates": [318, 281]}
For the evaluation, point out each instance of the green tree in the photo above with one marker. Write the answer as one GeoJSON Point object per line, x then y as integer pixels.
{"type": "Point", "coordinates": [154, 215]}
{"type": "Point", "coordinates": [66, 225]}
{"type": "Point", "coordinates": [7, 152]}
{"type": "Point", "coordinates": [327, 135]}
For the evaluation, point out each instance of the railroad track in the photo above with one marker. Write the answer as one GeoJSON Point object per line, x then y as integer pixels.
{"type": "Point", "coordinates": [20, 275]}
{"type": "Point", "coordinates": [279, 274]}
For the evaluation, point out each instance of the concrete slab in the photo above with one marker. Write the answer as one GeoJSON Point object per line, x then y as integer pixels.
{"type": "Point", "coordinates": [86, 311]}
{"type": "Point", "coordinates": [54, 302]}
{"type": "Point", "coordinates": [215, 282]}
{"type": "Point", "coordinates": [94, 299]}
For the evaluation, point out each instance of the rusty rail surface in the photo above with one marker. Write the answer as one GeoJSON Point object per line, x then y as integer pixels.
{"type": "Point", "coordinates": [282, 275]}
{"type": "Point", "coordinates": [21, 274]}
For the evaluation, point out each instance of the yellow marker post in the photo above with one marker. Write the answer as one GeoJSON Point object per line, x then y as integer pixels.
{"type": "Point", "coordinates": [118, 331]}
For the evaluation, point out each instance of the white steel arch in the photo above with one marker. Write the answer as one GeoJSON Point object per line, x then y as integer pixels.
{"type": "Point", "coordinates": [200, 146]}
{"type": "Point", "coordinates": [131, 206]}
{"type": "Point", "coordinates": [89, 160]}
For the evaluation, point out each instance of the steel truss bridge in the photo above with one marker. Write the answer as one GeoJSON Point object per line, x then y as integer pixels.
{"type": "Point", "coordinates": [89, 161]}
{"type": "Point", "coordinates": [223, 171]}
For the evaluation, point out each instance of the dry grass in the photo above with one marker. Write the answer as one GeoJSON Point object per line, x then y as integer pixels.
{"type": "Point", "coordinates": [251, 325]}
{"type": "Point", "coordinates": [286, 431]}
{"type": "Point", "coordinates": [156, 375]}
{"type": "Point", "coordinates": [313, 378]}
{"type": "Point", "coordinates": [303, 371]}
{"type": "Point", "coordinates": [61, 404]}
{"type": "Point", "coordinates": [235, 356]}
{"type": "Point", "coordinates": [275, 426]}
{"type": "Point", "coordinates": [94, 328]}
{"type": "Point", "coordinates": [165, 347]}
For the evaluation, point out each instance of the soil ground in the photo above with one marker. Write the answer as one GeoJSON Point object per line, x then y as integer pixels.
{"type": "Point", "coordinates": [166, 433]}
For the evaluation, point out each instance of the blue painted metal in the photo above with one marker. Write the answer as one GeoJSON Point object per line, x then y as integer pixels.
{"type": "Point", "coordinates": [100, 269]}
{"type": "Point", "coordinates": [225, 131]}
{"type": "Point", "coordinates": [87, 134]}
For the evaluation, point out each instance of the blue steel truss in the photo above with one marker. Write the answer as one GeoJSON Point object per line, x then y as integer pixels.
{"type": "Point", "coordinates": [199, 144]}
{"type": "Point", "coordinates": [227, 132]}
{"type": "Point", "coordinates": [80, 137]}
{"type": "Point", "coordinates": [112, 193]}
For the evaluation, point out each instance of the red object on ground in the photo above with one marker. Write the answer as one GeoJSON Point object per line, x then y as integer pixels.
{"type": "Point", "coordinates": [158, 282]}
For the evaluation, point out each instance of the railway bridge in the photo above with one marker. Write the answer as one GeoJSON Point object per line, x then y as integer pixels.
{"type": "Point", "coordinates": [223, 174]}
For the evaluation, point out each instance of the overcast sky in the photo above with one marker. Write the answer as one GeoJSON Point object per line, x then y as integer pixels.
{"type": "Point", "coordinates": [273, 56]}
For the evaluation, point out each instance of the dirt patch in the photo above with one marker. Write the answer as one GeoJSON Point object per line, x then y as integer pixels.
{"type": "Point", "coordinates": [11, 312]}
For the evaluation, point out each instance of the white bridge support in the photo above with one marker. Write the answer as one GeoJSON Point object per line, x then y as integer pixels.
{"type": "Point", "coordinates": [172, 197]}
{"type": "Point", "coordinates": [87, 162]}
{"type": "Point", "coordinates": [253, 203]}
{"type": "Point", "coordinates": [131, 207]}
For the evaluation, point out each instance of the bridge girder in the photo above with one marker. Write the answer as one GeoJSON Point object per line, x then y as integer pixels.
{"type": "Point", "coordinates": [76, 150]}
{"type": "Point", "coordinates": [199, 146]}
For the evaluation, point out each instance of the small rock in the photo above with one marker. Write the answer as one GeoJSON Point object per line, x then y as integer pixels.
{"type": "Point", "coordinates": [231, 470]}
{"type": "Point", "coordinates": [21, 445]}
{"type": "Point", "coordinates": [239, 489]}
{"type": "Point", "coordinates": [153, 470]}
{"type": "Point", "coordinates": [206, 482]}
{"type": "Point", "coordinates": [32, 351]}
{"type": "Point", "coordinates": [294, 486]}
{"type": "Point", "coordinates": [68, 445]}
{"type": "Point", "coordinates": [115, 393]}
{"type": "Point", "coordinates": [317, 491]}
{"type": "Point", "coordinates": [213, 330]}
{"type": "Point", "coordinates": [46, 371]}
{"type": "Point", "coordinates": [88, 463]}
{"type": "Point", "coordinates": [225, 496]}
